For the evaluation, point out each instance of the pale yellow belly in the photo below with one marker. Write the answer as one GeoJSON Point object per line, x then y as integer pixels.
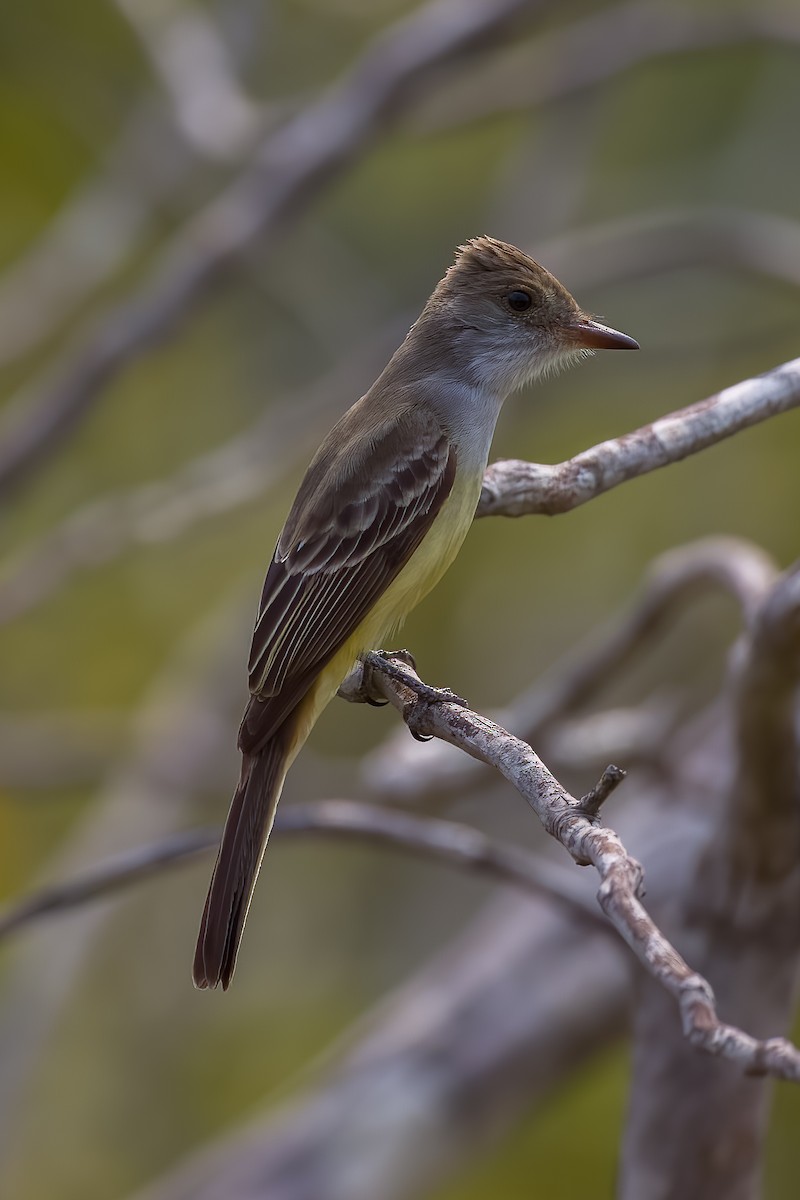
{"type": "Point", "coordinates": [426, 567]}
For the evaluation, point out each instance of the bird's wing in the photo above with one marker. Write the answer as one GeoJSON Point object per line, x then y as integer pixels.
{"type": "Point", "coordinates": [351, 531]}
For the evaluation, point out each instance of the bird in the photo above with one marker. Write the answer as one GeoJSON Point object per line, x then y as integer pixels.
{"type": "Point", "coordinates": [379, 517]}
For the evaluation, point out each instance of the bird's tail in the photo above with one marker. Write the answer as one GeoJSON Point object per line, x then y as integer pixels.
{"type": "Point", "coordinates": [244, 841]}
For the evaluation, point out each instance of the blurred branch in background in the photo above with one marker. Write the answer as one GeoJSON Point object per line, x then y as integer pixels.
{"type": "Point", "coordinates": [488, 1028]}
{"type": "Point", "coordinates": [227, 477]}
{"type": "Point", "coordinates": [524, 996]}
{"type": "Point", "coordinates": [194, 67]}
{"type": "Point", "coordinates": [740, 920]}
{"type": "Point", "coordinates": [94, 234]}
{"type": "Point", "coordinates": [179, 730]}
{"type": "Point", "coordinates": [407, 772]}
{"type": "Point", "coordinates": [446, 842]}
{"type": "Point", "coordinates": [574, 823]}
{"type": "Point", "coordinates": [771, 612]}
{"type": "Point", "coordinates": [595, 49]}
{"type": "Point", "coordinates": [643, 244]}
{"type": "Point", "coordinates": [624, 116]}
{"type": "Point", "coordinates": [286, 173]}
{"type": "Point", "coordinates": [99, 230]}
{"type": "Point", "coordinates": [282, 179]}
{"type": "Point", "coordinates": [147, 173]}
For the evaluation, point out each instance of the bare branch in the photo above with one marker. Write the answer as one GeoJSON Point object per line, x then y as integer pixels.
{"type": "Point", "coordinates": [105, 878]}
{"type": "Point", "coordinates": [474, 1041]}
{"type": "Point", "coordinates": [288, 170]}
{"type": "Point", "coordinates": [346, 820]}
{"type": "Point", "coordinates": [621, 876]}
{"type": "Point", "coordinates": [405, 770]}
{"type": "Point", "coordinates": [514, 489]}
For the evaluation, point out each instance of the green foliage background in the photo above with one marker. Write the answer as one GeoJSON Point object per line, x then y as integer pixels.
{"type": "Point", "coordinates": [131, 1068]}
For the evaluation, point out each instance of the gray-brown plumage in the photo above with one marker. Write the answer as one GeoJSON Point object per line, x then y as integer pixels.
{"type": "Point", "coordinates": [379, 517]}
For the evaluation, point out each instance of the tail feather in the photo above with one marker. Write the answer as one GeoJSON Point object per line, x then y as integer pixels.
{"type": "Point", "coordinates": [244, 841]}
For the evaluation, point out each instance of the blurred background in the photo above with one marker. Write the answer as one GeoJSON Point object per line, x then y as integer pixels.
{"type": "Point", "coordinates": [216, 222]}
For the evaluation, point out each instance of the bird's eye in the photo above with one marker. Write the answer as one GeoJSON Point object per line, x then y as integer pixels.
{"type": "Point", "coordinates": [519, 300]}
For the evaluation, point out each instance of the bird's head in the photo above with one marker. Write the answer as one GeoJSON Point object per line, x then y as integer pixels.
{"type": "Point", "coordinates": [512, 318]}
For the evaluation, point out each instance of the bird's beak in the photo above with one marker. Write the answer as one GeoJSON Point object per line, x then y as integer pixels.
{"type": "Point", "coordinates": [595, 336]}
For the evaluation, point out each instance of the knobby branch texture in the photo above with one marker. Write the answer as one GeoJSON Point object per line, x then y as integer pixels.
{"type": "Point", "coordinates": [572, 822]}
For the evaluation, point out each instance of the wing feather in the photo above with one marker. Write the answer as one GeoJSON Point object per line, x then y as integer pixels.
{"type": "Point", "coordinates": [344, 542]}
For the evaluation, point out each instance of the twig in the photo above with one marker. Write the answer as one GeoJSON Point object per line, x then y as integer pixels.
{"type": "Point", "coordinates": [595, 798]}
{"type": "Point", "coordinates": [512, 488]}
{"type": "Point", "coordinates": [288, 170]}
{"type": "Point", "coordinates": [621, 877]}
{"type": "Point", "coordinates": [445, 841]}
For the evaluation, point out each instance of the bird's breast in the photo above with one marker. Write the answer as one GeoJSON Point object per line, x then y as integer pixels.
{"type": "Point", "coordinates": [421, 573]}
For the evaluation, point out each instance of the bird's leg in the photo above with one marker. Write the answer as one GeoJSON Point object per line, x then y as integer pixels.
{"type": "Point", "coordinates": [406, 674]}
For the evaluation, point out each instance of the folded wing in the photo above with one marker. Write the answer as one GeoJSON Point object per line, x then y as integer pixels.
{"type": "Point", "coordinates": [355, 524]}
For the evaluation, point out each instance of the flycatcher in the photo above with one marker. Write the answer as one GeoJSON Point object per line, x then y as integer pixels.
{"type": "Point", "coordinates": [378, 519]}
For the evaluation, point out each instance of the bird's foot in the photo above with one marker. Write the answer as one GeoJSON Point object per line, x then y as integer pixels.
{"type": "Point", "coordinates": [424, 694]}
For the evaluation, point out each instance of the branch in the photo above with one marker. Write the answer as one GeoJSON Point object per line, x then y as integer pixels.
{"type": "Point", "coordinates": [571, 822]}
{"type": "Point", "coordinates": [288, 170]}
{"type": "Point", "coordinates": [444, 841]}
{"type": "Point", "coordinates": [513, 489]}
{"type": "Point", "coordinates": [740, 914]}
{"type": "Point", "coordinates": [740, 569]}
{"type": "Point", "coordinates": [474, 1042]}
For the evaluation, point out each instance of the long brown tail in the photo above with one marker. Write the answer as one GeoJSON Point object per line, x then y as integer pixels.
{"type": "Point", "coordinates": [244, 840]}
